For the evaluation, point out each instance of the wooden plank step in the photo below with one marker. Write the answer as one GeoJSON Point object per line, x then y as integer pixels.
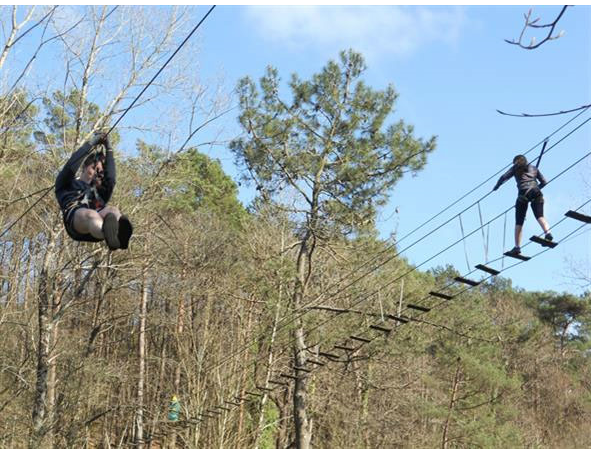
{"type": "Point", "coordinates": [223, 408]}
{"type": "Point", "coordinates": [486, 269]}
{"type": "Point", "coordinates": [380, 328]}
{"type": "Point", "coordinates": [397, 318]}
{"type": "Point", "coordinates": [329, 356]}
{"type": "Point", "coordinates": [344, 348]}
{"type": "Point", "coordinates": [304, 370]}
{"type": "Point", "coordinates": [288, 376]}
{"type": "Point", "coordinates": [361, 339]}
{"type": "Point", "coordinates": [440, 295]}
{"type": "Point", "coordinates": [267, 389]}
{"type": "Point", "coordinates": [578, 216]}
{"type": "Point", "coordinates": [254, 394]}
{"type": "Point", "coordinates": [461, 279]}
{"type": "Point", "coordinates": [315, 362]}
{"type": "Point", "coordinates": [417, 307]}
{"type": "Point", "coordinates": [517, 256]}
{"type": "Point", "coordinates": [542, 241]}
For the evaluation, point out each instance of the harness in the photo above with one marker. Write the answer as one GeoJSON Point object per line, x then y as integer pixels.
{"type": "Point", "coordinates": [523, 197]}
{"type": "Point", "coordinates": [87, 199]}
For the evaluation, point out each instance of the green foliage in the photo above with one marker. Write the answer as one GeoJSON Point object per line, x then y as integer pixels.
{"type": "Point", "coordinates": [567, 314]}
{"type": "Point", "coordinates": [270, 424]}
{"type": "Point", "coordinates": [519, 361]}
{"type": "Point", "coordinates": [16, 124]}
{"type": "Point", "coordinates": [188, 182]}
{"type": "Point", "coordinates": [329, 143]}
{"type": "Point", "coordinates": [203, 184]}
{"type": "Point", "coordinates": [69, 117]}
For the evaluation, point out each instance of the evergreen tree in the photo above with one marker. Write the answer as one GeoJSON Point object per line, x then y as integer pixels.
{"type": "Point", "coordinates": [330, 145]}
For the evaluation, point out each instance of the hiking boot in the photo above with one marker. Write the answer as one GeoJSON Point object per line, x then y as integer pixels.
{"type": "Point", "coordinates": [110, 231]}
{"type": "Point", "coordinates": [549, 237]}
{"type": "Point", "coordinates": [125, 232]}
{"type": "Point", "coordinates": [515, 250]}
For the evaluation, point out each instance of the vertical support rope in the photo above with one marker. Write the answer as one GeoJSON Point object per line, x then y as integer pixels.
{"type": "Point", "coordinates": [504, 236]}
{"type": "Point", "coordinates": [464, 241]}
{"type": "Point", "coordinates": [487, 237]}
{"type": "Point", "coordinates": [483, 237]}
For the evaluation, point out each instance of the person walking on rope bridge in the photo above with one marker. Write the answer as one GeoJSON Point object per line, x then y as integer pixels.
{"type": "Point", "coordinates": [526, 176]}
{"type": "Point", "coordinates": [83, 201]}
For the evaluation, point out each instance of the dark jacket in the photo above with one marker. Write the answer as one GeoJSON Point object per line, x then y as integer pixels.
{"type": "Point", "coordinates": [72, 192]}
{"type": "Point", "coordinates": [526, 181]}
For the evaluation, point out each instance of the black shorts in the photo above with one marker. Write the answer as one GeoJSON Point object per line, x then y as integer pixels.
{"type": "Point", "coordinates": [536, 198]}
{"type": "Point", "coordinates": [69, 224]}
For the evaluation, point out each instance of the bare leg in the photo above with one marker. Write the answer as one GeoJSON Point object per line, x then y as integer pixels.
{"type": "Point", "coordinates": [518, 232]}
{"type": "Point", "coordinates": [114, 210]}
{"type": "Point", "coordinates": [544, 224]}
{"type": "Point", "coordinates": [87, 221]}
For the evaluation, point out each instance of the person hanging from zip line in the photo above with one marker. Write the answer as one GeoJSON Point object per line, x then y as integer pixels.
{"type": "Point", "coordinates": [83, 201]}
{"type": "Point", "coordinates": [526, 176]}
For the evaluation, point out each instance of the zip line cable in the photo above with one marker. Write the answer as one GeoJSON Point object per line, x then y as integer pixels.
{"type": "Point", "coordinates": [162, 68]}
{"type": "Point", "coordinates": [124, 112]}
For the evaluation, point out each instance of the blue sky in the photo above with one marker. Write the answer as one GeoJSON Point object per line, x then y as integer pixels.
{"type": "Point", "coordinates": [452, 70]}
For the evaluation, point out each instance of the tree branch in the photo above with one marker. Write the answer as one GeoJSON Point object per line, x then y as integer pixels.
{"type": "Point", "coordinates": [532, 24]}
{"type": "Point", "coordinates": [586, 106]}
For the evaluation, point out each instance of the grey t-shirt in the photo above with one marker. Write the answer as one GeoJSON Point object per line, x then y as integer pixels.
{"type": "Point", "coordinates": [526, 181]}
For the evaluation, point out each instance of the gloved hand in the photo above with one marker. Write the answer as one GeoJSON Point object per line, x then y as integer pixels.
{"type": "Point", "coordinates": [99, 138]}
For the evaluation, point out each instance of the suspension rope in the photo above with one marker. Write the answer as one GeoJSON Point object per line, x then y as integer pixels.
{"type": "Point", "coordinates": [306, 308]}
{"type": "Point", "coordinates": [485, 243]}
{"type": "Point", "coordinates": [464, 241]}
{"type": "Point", "coordinates": [423, 321]}
{"type": "Point", "coordinates": [504, 236]}
{"type": "Point", "coordinates": [364, 298]}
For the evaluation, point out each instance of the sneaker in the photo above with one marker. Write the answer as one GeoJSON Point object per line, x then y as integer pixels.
{"type": "Point", "coordinates": [549, 237]}
{"type": "Point", "coordinates": [125, 232]}
{"type": "Point", "coordinates": [515, 250]}
{"type": "Point", "coordinates": [110, 231]}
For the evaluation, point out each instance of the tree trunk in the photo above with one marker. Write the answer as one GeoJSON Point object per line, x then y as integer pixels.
{"type": "Point", "coordinates": [44, 296]}
{"type": "Point", "coordinates": [179, 333]}
{"type": "Point", "coordinates": [452, 403]}
{"type": "Point", "coordinates": [51, 387]}
{"type": "Point", "coordinates": [303, 427]}
{"type": "Point", "coordinates": [142, 367]}
{"type": "Point", "coordinates": [269, 371]}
